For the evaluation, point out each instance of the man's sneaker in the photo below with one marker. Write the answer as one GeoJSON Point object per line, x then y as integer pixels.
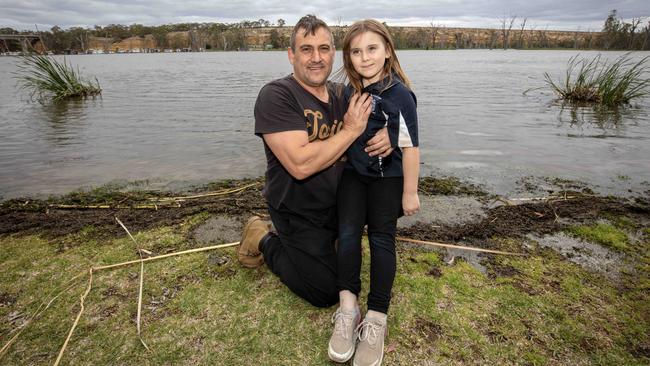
{"type": "Point", "coordinates": [249, 254]}
{"type": "Point", "coordinates": [370, 350]}
{"type": "Point", "coordinates": [343, 340]}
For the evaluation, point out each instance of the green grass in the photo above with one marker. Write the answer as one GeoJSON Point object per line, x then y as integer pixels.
{"type": "Point", "coordinates": [548, 311]}
{"type": "Point", "coordinates": [449, 186]}
{"type": "Point", "coordinates": [45, 77]}
{"type": "Point", "coordinates": [601, 82]}
{"type": "Point", "coordinates": [604, 234]}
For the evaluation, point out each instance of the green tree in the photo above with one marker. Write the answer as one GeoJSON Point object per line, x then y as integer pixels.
{"type": "Point", "coordinates": [278, 40]}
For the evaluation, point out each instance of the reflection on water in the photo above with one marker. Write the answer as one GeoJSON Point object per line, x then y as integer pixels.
{"type": "Point", "coordinates": [181, 119]}
{"type": "Point", "coordinates": [606, 118]}
{"type": "Point", "coordinates": [62, 123]}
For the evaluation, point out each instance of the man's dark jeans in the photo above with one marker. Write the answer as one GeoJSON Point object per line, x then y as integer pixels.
{"type": "Point", "coordinates": [302, 254]}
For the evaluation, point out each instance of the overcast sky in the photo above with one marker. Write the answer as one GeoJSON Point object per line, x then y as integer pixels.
{"type": "Point", "coordinates": [551, 14]}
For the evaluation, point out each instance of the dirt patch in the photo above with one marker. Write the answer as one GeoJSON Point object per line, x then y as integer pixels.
{"type": "Point", "coordinates": [501, 270]}
{"type": "Point", "coordinates": [218, 229]}
{"type": "Point", "coordinates": [449, 186]}
{"type": "Point", "coordinates": [38, 217]}
{"type": "Point", "coordinates": [7, 299]}
{"type": "Point", "coordinates": [517, 221]}
{"type": "Point", "coordinates": [591, 256]}
{"type": "Point", "coordinates": [642, 351]}
{"type": "Point", "coordinates": [445, 210]}
{"type": "Point", "coordinates": [435, 272]}
{"type": "Point", "coordinates": [427, 330]}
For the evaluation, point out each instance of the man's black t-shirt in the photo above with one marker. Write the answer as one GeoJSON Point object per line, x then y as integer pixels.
{"type": "Point", "coordinates": [284, 105]}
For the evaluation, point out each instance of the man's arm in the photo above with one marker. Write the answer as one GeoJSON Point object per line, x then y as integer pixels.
{"type": "Point", "coordinates": [379, 144]}
{"type": "Point", "coordinates": [302, 158]}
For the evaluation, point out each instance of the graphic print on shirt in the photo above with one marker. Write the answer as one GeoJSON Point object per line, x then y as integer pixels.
{"type": "Point", "coordinates": [317, 129]}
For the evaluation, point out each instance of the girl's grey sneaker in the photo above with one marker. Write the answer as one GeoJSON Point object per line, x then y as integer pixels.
{"type": "Point", "coordinates": [343, 340]}
{"type": "Point", "coordinates": [370, 350]}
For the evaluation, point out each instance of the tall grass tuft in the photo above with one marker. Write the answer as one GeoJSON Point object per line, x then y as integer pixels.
{"type": "Point", "coordinates": [46, 78]}
{"type": "Point", "coordinates": [601, 82]}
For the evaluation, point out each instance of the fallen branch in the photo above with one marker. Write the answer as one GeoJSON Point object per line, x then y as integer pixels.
{"type": "Point", "coordinates": [109, 207]}
{"type": "Point", "coordinates": [76, 321]}
{"type": "Point", "coordinates": [37, 313]}
{"type": "Point", "coordinates": [217, 193]}
{"type": "Point", "coordinates": [141, 284]}
{"type": "Point", "coordinates": [156, 202]}
{"type": "Point", "coordinates": [462, 247]}
{"type": "Point", "coordinates": [141, 260]}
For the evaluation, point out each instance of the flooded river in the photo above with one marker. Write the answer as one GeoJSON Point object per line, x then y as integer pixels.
{"type": "Point", "coordinates": [171, 121]}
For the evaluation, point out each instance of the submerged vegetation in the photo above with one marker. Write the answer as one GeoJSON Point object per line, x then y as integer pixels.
{"type": "Point", "coordinates": [601, 82]}
{"type": "Point", "coordinates": [47, 78]}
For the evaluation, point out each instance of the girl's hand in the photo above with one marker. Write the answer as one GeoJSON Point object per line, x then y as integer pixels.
{"type": "Point", "coordinates": [410, 203]}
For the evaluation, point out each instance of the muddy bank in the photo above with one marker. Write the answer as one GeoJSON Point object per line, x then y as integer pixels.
{"type": "Point", "coordinates": [451, 211]}
{"type": "Point", "coordinates": [541, 218]}
{"type": "Point", "coordinates": [60, 216]}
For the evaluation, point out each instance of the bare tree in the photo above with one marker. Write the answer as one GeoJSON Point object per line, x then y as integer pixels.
{"type": "Point", "coordinates": [589, 38]}
{"type": "Point", "coordinates": [493, 38]}
{"type": "Point", "coordinates": [520, 42]}
{"type": "Point", "coordinates": [459, 40]}
{"type": "Point", "coordinates": [633, 26]}
{"type": "Point", "coordinates": [434, 34]}
{"type": "Point", "coordinates": [505, 29]}
{"type": "Point", "coordinates": [543, 38]}
{"type": "Point", "coordinates": [576, 38]}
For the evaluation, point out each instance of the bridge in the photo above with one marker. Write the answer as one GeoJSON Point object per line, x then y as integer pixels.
{"type": "Point", "coordinates": [27, 41]}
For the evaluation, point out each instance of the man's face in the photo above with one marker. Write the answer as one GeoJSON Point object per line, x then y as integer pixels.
{"type": "Point", "coordinates": [313, 58]}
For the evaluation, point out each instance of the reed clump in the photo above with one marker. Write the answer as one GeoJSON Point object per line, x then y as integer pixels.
{"type": "Point", "coordinates": [601, 82]}
{"type": "Point", "coordinates": [45, 78]}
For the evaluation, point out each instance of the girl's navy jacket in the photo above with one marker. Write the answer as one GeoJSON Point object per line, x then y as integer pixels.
{"type": "Point", "coordinates": [394, 106]}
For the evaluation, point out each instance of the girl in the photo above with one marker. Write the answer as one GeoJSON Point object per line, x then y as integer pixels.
{"type": "Point", "coordinates": [373, 191]}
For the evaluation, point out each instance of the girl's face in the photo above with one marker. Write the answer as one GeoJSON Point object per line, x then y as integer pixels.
{"type": "Point", "coordinates": [368, 54]}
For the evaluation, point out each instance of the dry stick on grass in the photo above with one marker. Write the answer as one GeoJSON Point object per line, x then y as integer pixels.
{"type": "Point", "coordinates": [217, 193]}
{"type": "Point", "coordinates": [38, 312]}
{"type": "Point", "coordinates": [123, 264]}
{"type": "Point", "coordinates": [157, 202]}
{"type": "Point", "coordinates": [196, 250]}
{"type": "Point", "coordinates": [106, 207]}
{"type": "Point", "coordinates": [462, 247]}
{"type": "Point", "coordinates": [141, 283]}
{"type": "Point", "coordinates": [76, 321]}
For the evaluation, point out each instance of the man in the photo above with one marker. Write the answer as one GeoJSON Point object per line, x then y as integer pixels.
{"type": "Point", "coordinates": [303, 121]}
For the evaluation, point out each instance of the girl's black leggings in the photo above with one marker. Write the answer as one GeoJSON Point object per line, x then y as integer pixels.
{"type": "Point", "coordinates": [377, 202]}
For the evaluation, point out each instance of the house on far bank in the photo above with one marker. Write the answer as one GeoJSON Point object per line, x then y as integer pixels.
{"type": "Point", "coordinates": [99, 44]}
{"type": "Point", "coordinates": [134, 44]}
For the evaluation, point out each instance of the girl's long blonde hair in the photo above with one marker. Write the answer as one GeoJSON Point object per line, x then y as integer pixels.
{"type": "Point", "coordinates": [391, 66]}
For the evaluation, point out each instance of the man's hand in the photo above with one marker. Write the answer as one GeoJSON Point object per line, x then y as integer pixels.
{"type": "Point", "coordinates": [356, 118]}
{"type": "Point", "coordinates": [410, 203]}
{"type": "Point", "coordinates": [379, 144]}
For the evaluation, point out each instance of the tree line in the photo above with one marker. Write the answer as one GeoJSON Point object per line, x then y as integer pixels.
{"type": "Point", "coordinates": [512, 32]}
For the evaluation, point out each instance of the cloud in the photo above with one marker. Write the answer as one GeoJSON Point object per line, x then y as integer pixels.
{"type": "Point", "coordinates": [555, 14]}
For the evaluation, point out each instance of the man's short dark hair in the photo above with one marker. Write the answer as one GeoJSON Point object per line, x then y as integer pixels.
{"type": "Point", "coordinates": [310, 24]}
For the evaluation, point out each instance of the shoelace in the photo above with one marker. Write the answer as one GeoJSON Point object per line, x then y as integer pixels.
{"type": "Point", "coordinates": [368, 330]}
{"type": "Point", "coordinates": [342, 322]}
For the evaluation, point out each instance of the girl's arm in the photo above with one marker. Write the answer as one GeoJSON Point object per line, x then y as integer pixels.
{"type": "Point", "coordinates": [411, 167]}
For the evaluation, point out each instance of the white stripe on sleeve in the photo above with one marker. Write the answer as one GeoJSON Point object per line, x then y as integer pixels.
{"type": "Point", "coordinates": [404, 139]}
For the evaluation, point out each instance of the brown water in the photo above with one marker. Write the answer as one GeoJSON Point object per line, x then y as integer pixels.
{"type": "Point", "coordinates": [176, 120]}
